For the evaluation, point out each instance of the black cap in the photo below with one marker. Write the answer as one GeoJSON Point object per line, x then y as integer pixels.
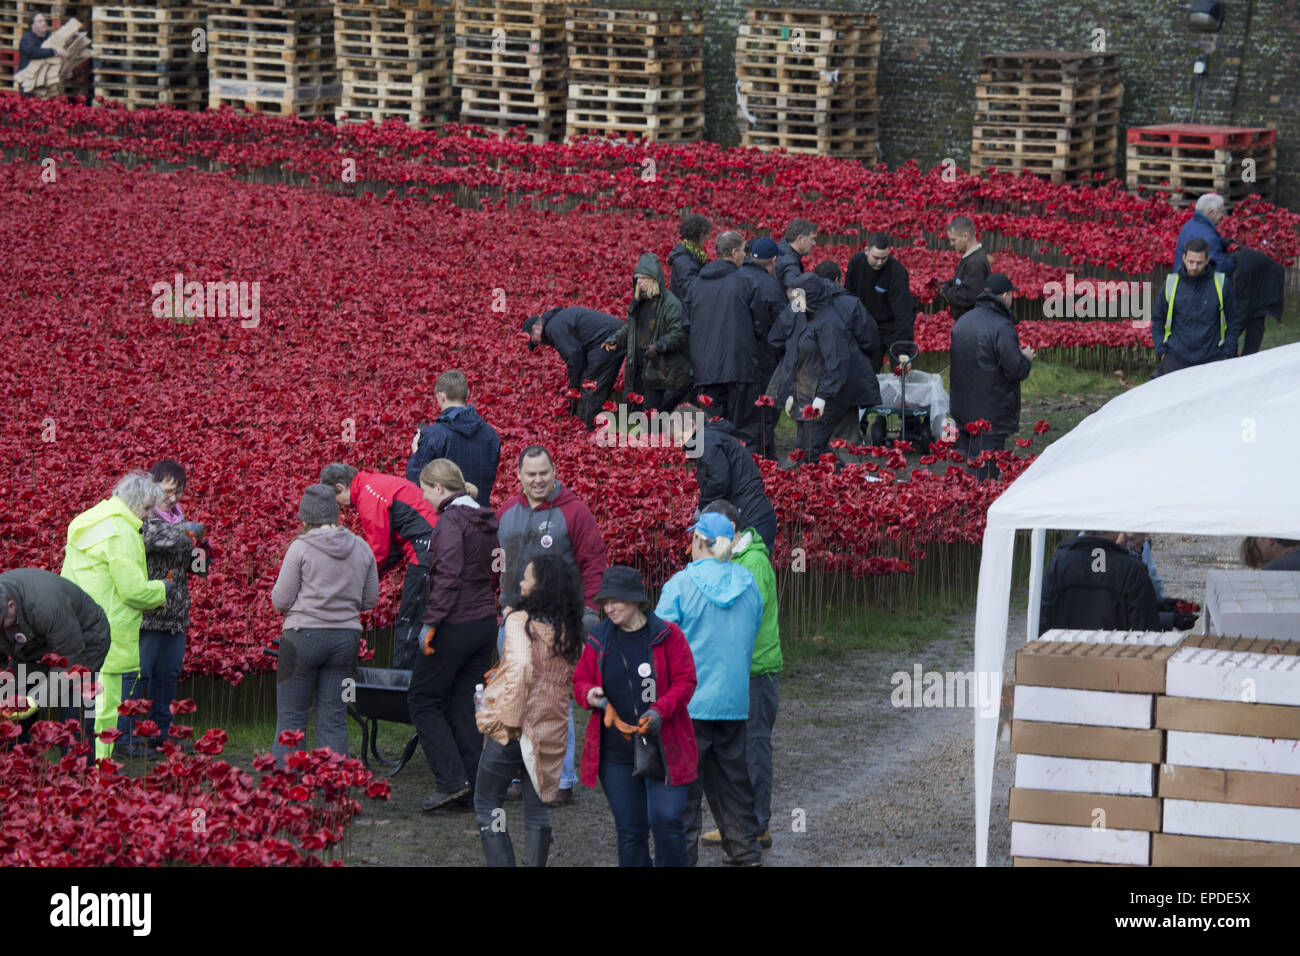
{"type": "Point", "coordinates": [622, 584]}
{"type": "Point", "coordinates": [999, 284]}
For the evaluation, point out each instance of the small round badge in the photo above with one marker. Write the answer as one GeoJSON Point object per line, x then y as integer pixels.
{"type": "Point", "coordinates": [20, 638]}
{"type": "Point", "coordinates": [644, 669]}
{"type": "Point", "coordinates": [547, 541]}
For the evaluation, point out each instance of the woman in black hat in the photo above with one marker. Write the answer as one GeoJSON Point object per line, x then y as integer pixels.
{"type": "Point", "coordinates": [637, 675]}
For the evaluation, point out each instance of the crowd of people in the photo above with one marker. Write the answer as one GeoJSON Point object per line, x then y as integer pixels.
{"type": "Point", "coordinates": [683, 692]}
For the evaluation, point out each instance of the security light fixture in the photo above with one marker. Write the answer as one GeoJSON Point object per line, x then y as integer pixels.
{"type": "Point", "coordinates": [1206, 16]}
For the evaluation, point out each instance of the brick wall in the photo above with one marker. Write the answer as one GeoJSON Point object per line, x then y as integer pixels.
{"type": "Point", "coordinates": [931, 53]}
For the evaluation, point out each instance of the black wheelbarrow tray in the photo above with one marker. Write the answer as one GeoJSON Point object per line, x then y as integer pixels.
{"type": "Point", "coordinates": [381, 695]}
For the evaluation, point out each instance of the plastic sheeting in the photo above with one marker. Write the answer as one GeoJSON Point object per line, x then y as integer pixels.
{"type": "Point", "coordinates": [924, 390]}
{"type": "Point", "coordinates": [1207, 450]}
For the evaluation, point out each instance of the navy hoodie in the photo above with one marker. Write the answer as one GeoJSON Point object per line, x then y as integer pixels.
{"type": "Point", "coordinates": [462, 435]}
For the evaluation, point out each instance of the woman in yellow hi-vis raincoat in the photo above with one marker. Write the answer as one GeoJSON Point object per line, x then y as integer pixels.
{"type": "Point", "coordinates": [105, 558]}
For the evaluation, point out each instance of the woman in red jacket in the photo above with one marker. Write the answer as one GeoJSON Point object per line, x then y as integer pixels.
{"type": "Point", "coordinates": [460, 628]}
{"type": "Point", "coordinates": [640, 668]}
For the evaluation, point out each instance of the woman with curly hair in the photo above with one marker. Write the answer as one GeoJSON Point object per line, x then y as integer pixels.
{"type": "Point", "coordinates": [525, 710]}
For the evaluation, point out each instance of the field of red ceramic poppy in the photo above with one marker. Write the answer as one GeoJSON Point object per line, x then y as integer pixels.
{"type": "Point", "coordinates": [383, 256]}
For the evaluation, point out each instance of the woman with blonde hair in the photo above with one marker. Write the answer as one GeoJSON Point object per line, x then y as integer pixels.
{"type": "Point", "coordinates": [460, 629]}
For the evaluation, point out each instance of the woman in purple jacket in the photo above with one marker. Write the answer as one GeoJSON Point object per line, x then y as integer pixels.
{"type": "Point", "coordinates": [460, 629]}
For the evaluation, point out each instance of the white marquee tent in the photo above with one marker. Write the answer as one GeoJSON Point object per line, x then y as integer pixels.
{"type": "Point", "coordinates": [1208, 450]}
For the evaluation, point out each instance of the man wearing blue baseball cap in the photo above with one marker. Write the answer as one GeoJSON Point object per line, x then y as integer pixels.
{"type": "Point", "coordinates": [718, 607]}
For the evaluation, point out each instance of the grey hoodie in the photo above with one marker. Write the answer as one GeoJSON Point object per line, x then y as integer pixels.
{"type": "Point", "coordinates": [327, 579]}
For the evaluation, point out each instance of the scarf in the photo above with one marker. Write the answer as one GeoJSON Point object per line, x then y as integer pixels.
{"type": "Point", "coordinates": [171, 517]}
{"type": "Point", "coordinates": [696, 251]}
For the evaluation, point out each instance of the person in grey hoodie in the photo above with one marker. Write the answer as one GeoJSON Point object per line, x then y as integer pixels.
{"type": "Point", "coordinates": [327, 579]}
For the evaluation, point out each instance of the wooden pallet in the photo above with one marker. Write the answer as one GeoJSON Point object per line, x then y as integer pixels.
{"type": "Point", "coordinates": [145, 97]}
{"type": "Point", "coordinates": [515, 19]}
{"type": "Point", "coordinates": [1202, 137]}
{"type": "Point", "coordinates": [365, 6]}
{"type": "Point", "coordinates": [1001, 133]}
{"type": "Point", "coordinates": [797, 17]}
{"type": "Point", "coordinates": [594, 93]}
{"type": "Point", "coordinates": [512, 99]}
{"type": "Point", "coordinates": [1038, 114]}
{"type": "Point", "coordinates": [414, 34]}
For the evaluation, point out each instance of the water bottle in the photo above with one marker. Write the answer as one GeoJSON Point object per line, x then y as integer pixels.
{"type": "Point", "coordinates": [478, 697]}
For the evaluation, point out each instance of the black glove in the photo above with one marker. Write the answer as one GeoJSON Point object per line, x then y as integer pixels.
{"type": "Point", "coordinates": [1169, 604]}
{"type": "Point", "coordinates": [1183, 621]}
{"type": "Point", "coordinates": [650, 723]}
{"type": "Point", "coordinates": [170, 588]}
{"type": "Point", "coordinates": [652, 351]}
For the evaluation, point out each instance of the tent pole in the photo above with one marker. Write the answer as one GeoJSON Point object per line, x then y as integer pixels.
{"type": "Point", "coordinates": [1037, 545]}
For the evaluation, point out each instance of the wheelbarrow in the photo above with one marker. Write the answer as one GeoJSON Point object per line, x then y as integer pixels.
{"type": "Point", "coordinates": [913, 423]}
{"type": "Point", "coordinates": [380, 694]}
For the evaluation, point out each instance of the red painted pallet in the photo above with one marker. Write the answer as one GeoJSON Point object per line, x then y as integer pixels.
{"type": "Point", "coordinates": [1207, 137]}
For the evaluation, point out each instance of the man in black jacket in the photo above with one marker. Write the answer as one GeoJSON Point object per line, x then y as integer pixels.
{"type": "Point", "coordinates": [578, 334]}
{"type": "Point", "coordinates": [726, 469]}
{"type": "Point", "coordinates": [29, 48]}
{"type": "Point", "coordinates": [882, 284]}
{"type": "Point", "coordinates": [724, 334]}
{"type": "Point", "coordinates": [1259, 282]}
{"type": "Point", "coordinates": [42, 613]}
{"type": "Point", "coordinates": [797, 243]}
{"type": "Point", "coordinates": [961, 291]}
{"type": "Point", "coordinates": [766, 300]}
{"type": "Point", "coordinates": [460, 434]}
{"type": "Point", "coordinates": [988, 364]}
{"type": "Point", "coordinates": [688, 257]}
{"type": "Point", "coordinates": [1094, 583]}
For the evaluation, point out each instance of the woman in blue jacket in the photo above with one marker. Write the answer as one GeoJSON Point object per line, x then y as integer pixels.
{"type": "Point", "coordinates": [718, 607]}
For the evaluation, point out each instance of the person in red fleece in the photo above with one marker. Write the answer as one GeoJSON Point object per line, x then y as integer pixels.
{"type": "Point", "coordinates": [397, 523]}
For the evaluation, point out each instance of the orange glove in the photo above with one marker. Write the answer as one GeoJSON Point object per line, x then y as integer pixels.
{"type": "Point", "coordinates": [427, 643]}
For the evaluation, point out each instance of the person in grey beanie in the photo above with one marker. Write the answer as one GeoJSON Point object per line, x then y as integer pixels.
{"type": "Point", "coordinates": [327, 579]}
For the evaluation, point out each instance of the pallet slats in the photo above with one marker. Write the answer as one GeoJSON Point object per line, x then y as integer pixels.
{"type": "Point", "coordinates": [272, 56]}
{"type": "Point", "coordinates": [394, 62]}
{"type": "Point", "coordinates": [1185, 161]}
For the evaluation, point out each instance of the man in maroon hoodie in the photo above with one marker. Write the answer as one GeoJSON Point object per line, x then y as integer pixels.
{"type": "Point", "coordinates": [547, 518]}
{"type": "Point", "coordinates": [397, 523]}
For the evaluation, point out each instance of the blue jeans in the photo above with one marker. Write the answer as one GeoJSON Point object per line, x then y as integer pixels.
{"type": "Point", "coordinates": [568, 773]}
{"type": "Point", "coordinates": [161, 655]}
{"type": "Point", "coordinates": [641, 805]}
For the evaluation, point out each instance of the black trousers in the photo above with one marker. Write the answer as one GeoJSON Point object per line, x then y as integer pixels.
{"type": "Point", "coordinates": [971, 445]}
{"type": "Point", "coordinates": [724, 780]}
{"type": "Point", "coordinates": [814, 435]}
{"type": "Point", "coordinates": [441, 699]}
{"type": "Point", "coordinates": [663, 400]}
{"type": "Point", "coordinates": [734, 401]}
{"type": "Point", "coordinates": [1254, 334]}
{"type": "Point", "coordinates": [602, 368]}
{"type": "Point", "coordinates": [410, 609]}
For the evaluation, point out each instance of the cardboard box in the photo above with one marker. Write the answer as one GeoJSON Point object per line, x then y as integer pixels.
{"type": "Point", "coordinates": [1227, 717]}
{"type": "Point", "coordinates": [1168, 849]}
{"type": "Point", "coordinates": [1035, 772]}
{"type": "Point", "coordinates": [1229, 786]}
{"type": "Point", "coordinates": [1086, 743]}
{"type": "Point", "coordinates": [1032, 861]}
{"type": "Point", "coordinates": [1184, 748]}
{"type": "Point", "coordinates": [1234, 675]}
{"type": "Point", "coordinates": [1092, 708]}
{"type": "Point", "coordinates": [1252, 645]}
{"type": "Point", "coordinates": [1232, 821]}
{"type": "Point", "coordinates": [1127, 668]}
{"type": "Point", "coordinates": [1253, 603]}
{"type": "Point", "coordinates": [1081, 809]}
{"type": "Point", "coordinates": [1158, 638]}
{"type": "Point", "coordinates": [1083, 844]}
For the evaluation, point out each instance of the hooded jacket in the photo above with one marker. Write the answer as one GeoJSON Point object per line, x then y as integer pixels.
{"type": "Point", "coordinates": [726, 469]}
{"type": "Point", "coordinates": [1094, 584]}
{"type": "Point", "coordinates": [750, 553]}
{"type": "Point", "coordinates": [577, 333]}
{"type": "Point", "coordinates": [657, 322]}
{"type": "Point", "coordinates": [54, 617]}
{"type": "Point", "coordinates": [1197, 326]}
{"type": "Point", "coordinates": [462, 584]}
{"type": "Point", "coordinates": [393, 511]}
{"type": "Point", "coordinates": [719, 609]}
{"type": "Point", "coordinates": [105, 557]}
{"type": "Point", "coordinates": [684, 266]}
{"type": "Point", "coordinates": [1200, 227]}
{"type": "Point", "coordinates": [572, 530]}
{"type": "Point", "coordinates": [460, 434]}
{"type": "Point", "coordinates": [672, 669]}
{"type": "Point", "coordinates": [328, 577]}
{"type": "Point", "coordinates": [829, 349]}
{"type": "Point", "coordinates": [987, 366]}
{"type": "Point", "coordinates": [723, 332]}
{"type": "Point", "coordinates": [886, 295]}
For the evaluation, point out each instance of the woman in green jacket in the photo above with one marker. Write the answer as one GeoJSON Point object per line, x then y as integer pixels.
{"type": "Point", "coordinates": [658, 362]}
{"type": "Point", "coordinates": [105, 558]}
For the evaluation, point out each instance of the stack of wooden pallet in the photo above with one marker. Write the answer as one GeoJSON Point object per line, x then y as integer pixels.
{"type": "Point", "coordinates": [807, 82]}
{"type": "Point", "coordinates": [509, 65]}
{"type": "Point", "coordinates": [394, 58]}
{"type": "Point", "coordinates": [1048, 113]}
{"type": "Point", "coordinates": [145, 56]}
{"type": "Point", "coordinates": [1186, 161]}
{"type": "Point", "coordinates": [16, 18]}
{"type": "Point", "coordinates": [636, 71]}
{"type": "Point", "coordinates": [273, 55]}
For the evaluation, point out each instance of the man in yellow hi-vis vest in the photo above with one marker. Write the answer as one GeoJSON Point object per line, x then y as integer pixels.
{"type": "Point", "coordinates": [1195, 319]}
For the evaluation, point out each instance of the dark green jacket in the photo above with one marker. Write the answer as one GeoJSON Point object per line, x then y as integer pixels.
{"type": "Point", "coordinates": [657, 321]}
{"type": "Point", "coordinates": [54, 616]}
